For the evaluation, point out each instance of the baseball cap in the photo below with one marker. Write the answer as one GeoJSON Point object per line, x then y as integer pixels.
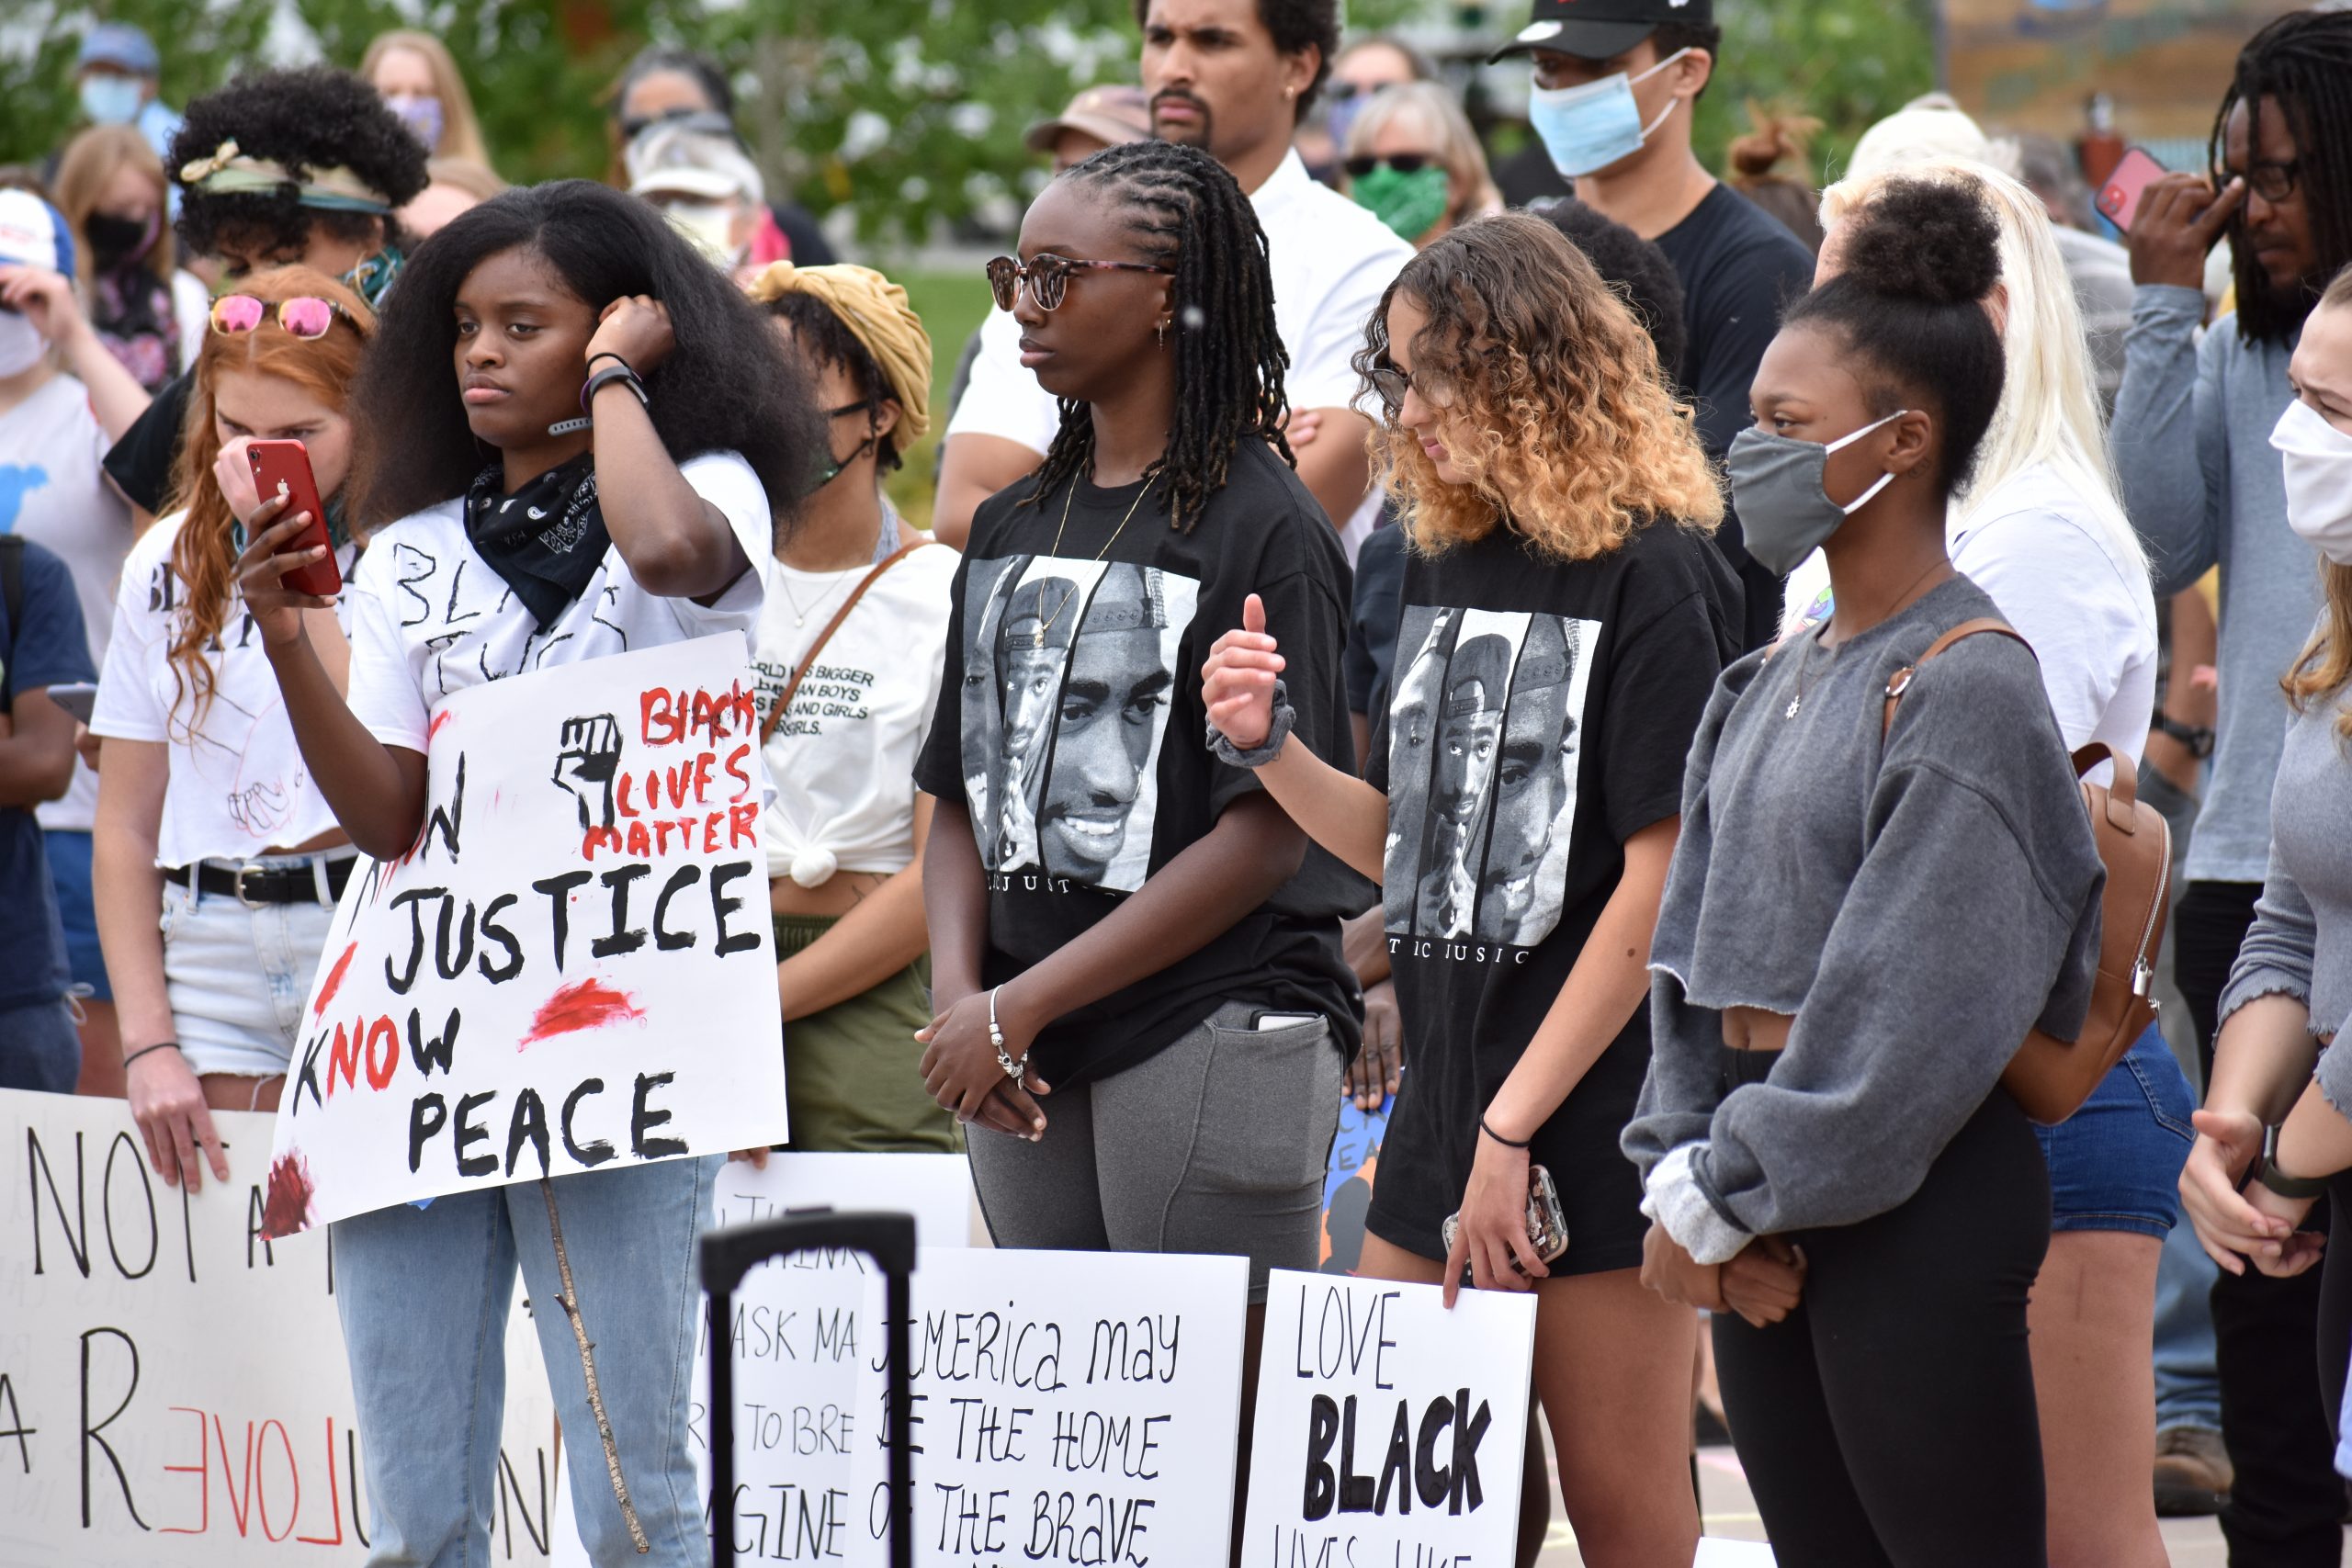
{"type": "Point", "coordinates": [122, 46]}
{"type": "Point", "coordinates": [1599, 29]}
{"type": "Point", "coordinates": [1112, 114]}
{"type": "Point", "coordinates": [33, 233]}
{"type": "Point", "coordinates": [696, 156]}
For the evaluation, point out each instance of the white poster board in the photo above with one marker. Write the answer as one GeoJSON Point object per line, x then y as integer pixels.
{"type": "Point", "coordinates": [172, 1388]}
{"type": "Point", "coordinates": [574, 965]}
{"type": "Point", "coordinates": [805, 1332]}
{"type": "Point", "coordinates": [1069, 1408]}
{"type": "Point", "coordinates": [1389, 1431]}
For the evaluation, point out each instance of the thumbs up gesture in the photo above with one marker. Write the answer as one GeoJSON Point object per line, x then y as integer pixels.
{"type": "Point", "coordinates": [1237, 681]}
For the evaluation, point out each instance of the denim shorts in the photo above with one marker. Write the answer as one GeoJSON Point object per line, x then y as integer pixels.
{"type": "Point", "coordinates": [77, 911]}
{"type": "Point", "coordinates": [237, 977]}
{"type": "Point", "coordinates": [2115, 1164]}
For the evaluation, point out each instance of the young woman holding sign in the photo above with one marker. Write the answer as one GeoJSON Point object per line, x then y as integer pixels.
{"type": "Point", "coordinates": [1143, 1009]}
{"type": "Point", "coordinates": [852, 632]}
{"type": "Point", "coordinates": [651, 526]}
{"type": "Point", "coordinates": [1870, 906]}
{"type": "Point", "coordinates": [207, 818]}
{"type": "Point", "coordinates": [1564, 617]}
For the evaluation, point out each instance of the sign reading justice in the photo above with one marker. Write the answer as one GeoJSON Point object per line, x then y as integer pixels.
{"type": "Point", "coordinates": [573, 963]}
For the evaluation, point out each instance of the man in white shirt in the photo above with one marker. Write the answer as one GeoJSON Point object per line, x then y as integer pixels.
{"type": "Point", "coordinates": [1231, 77]}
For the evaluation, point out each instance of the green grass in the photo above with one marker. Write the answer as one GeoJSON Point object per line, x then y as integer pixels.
{"type": "Point", "coordinates": [950, 304]}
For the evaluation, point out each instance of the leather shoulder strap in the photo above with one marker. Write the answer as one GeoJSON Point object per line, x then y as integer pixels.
{"type": "Point", "coordinates": [784, 698]}
{"type": "Point", "coordinates": [1900, 681]}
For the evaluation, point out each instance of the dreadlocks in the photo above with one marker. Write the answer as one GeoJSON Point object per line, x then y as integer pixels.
{"type": "Point", "coordinates": [1230, 359]}
{"type": "Point", "coordinates": [2302, 62]}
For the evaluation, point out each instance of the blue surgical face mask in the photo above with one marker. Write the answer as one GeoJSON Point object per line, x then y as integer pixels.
{"type": "Point", "coordinates": [1777, 486]}
{"type": "Point", "coordinates": [112, 100]}
{"type": "Point", "coordinates": [1586, 129]}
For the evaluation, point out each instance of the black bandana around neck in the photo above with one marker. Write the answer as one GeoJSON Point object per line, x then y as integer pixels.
{"type": "Point", "coordinates": [547, 539]}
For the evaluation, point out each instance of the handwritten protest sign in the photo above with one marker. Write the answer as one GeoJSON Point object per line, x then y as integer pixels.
{"type": "Point", "coordinates": [804, 1333]}
{"type": "Point", "coordinates": [1347, 1185]}
{"type": "Point", "coordinates": [172, 1387]}
{"type": "Point", "coordinates": [1390, 1430]}
{"type": "Point", "coordinates": [574, 965]}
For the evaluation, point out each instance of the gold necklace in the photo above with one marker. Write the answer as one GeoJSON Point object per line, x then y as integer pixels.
{"type": "Point", "coordinates": [1037, 639]}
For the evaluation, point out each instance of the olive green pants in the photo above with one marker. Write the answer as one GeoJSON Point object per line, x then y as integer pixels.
{"type": "Point", "coordinates": [852, 1073]}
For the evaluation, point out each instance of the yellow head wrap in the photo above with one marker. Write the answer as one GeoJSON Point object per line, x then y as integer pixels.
{"type": "Point", "coordinates": [875, 309]}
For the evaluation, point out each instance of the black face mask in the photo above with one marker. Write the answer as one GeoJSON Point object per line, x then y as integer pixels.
{"type": "Point", "coordinates": [116, 240]}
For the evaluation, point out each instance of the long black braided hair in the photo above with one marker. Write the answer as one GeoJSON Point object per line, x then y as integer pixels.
{"type": "Point", "coordinates": [2302, 62]}
{"type": "Point", "coordinates": [1191, 216]}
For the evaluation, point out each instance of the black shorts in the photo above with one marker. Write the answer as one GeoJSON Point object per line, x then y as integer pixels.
{"type": "Point", "coordinates": [1425, 1160]}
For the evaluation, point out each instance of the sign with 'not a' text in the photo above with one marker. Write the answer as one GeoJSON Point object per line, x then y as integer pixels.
{"type": "Point", "coordinates": [1390, 1430]}
{"type": "Point", "coordinates": [572, 967]}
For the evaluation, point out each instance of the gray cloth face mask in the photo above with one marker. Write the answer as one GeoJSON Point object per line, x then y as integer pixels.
{"type": "Point", "coordinates": [1777, 484]}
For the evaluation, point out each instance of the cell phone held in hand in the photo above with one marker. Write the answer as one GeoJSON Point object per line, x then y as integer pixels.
{"type": "Point", "coordinates": [78, 698]}
{"type": "Point", "coordinates": [286, 465]}
{"type": "Point", "coordinates": [1548, 1228]}
{"type": "Point", "coordinates": [2119, 198]}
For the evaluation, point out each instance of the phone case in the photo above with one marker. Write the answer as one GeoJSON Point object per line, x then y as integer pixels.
{"type": "Point", "coordinates": [2119, 198]}
{"type": "Point", "coordinates": [287, 463]}
{"type": "Point", "coordinates": [1547, 1226]}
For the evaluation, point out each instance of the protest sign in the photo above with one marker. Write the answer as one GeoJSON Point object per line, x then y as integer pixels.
{"type": "Point", "coordinates": [1347, 1184]}
{"type": "Point", "coordinates": [799, 1328]}
{"type": "Point", "coordinates": [172, 1387]}
{"type": "Point", "coordinates": [1390, 1430]}
{"type": "Point", "coordinates": [1067, 1407]}
{"type": "Point", "coordinates": [571, 965]}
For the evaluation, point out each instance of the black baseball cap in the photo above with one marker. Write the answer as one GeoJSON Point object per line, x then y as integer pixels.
{"type": "Point", "coordinates": [1600, 29]}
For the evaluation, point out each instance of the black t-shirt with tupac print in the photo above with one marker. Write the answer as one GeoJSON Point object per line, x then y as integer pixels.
{"type": "Point", "coordinates": [1070, 724]}
{"type": "Point", "coordinates": [1539, 716]}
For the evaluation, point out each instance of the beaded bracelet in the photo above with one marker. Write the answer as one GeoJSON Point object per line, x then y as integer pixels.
{"type": "Point", "coordinates": [1013, 1069]}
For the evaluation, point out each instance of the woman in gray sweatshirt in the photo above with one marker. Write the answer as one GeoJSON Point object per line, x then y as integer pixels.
{"type": "Point", "coordinates": [1859, 926]}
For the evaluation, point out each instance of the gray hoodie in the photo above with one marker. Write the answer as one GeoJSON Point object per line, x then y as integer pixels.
{"type": "Point", "coordinates": [2201, 483]}
{"type": "Point", "coordinates": [1917, 907]}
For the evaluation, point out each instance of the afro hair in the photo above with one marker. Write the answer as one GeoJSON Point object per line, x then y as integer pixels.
{"type": "Point", "coordinates": [306, 121]}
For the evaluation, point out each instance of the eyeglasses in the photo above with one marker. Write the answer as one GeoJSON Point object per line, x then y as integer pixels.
{"type": "Point", "coordinates": [1403, 163]}
{"type": "Point", "coordinates": [304, 316]}
{"type": "Point", "coordinates": [2273, 182]}
{"type": "Point", "coordinates": [1048, 277]}
{"type": "Point", "coordinates": [1391, 385]}
{"type": "Point", "coordinates": [862, 406]}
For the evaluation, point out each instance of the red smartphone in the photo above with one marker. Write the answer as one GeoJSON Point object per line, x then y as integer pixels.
{"type": "Point", "coordinates": [2119, 199]}
{"type": "Point", "coordinates": [286, 464]}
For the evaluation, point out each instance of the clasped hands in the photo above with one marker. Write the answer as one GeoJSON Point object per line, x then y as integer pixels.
{"type": "Point", "coordinates": [1762, 1284]}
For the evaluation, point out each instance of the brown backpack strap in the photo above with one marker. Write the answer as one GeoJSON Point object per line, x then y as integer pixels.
{"type": "Point", "coordinates": [784, 699]}
{"type": "Point", "coordinates": [1900, 681]}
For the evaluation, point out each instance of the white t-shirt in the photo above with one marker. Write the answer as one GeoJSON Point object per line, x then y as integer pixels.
{"type": "Point", "coordinates": [237, 785]}
{"type": "Point", "coordinates": [1331, 260]}
{"type": "Point", "coordinates": [2032, 544]}
{"type": "Point", "coordinates": [53, 491]}
{"type": "Point", "coordinates": [431, 618]}
{"type": "Point", "coordinates": [843, 759]}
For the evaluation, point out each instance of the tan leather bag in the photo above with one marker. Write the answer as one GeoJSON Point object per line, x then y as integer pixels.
{"type": "Point", "coordinates": [2050, 1077]}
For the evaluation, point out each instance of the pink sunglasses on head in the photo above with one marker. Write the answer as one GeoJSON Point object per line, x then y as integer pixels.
{"type": "Point", "coordinates": [303, 316]}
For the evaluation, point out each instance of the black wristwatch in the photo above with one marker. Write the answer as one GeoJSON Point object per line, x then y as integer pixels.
{"type": "Point", "coordinates": [2266, 1171]}
{"type": "Point", "coordinates": [2196, 737]}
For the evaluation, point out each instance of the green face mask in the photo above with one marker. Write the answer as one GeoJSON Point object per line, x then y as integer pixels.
{"type": "Point", "coordinates": [1409, 204]}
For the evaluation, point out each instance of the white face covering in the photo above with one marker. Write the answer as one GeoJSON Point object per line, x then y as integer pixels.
{"type": "Point", "coordinates": [21, 344]}
{"type": "Point", "coordinates": [2318, 461]}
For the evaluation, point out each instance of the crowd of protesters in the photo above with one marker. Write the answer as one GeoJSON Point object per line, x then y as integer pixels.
{"type": "Point", "coordinates": [1609, 660]}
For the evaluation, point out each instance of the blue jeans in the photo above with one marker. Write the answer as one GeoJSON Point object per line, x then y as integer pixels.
{"type": "Point", "coordinates": [2115, 1164]}
{"type": "Point", "coordinates": [39, 1047]}
{"type": "Point", "coordinates": [423, 1293]}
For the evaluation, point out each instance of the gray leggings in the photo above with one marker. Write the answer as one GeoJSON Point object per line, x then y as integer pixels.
{"type": "Point", "coordinates": [1215, 1145]}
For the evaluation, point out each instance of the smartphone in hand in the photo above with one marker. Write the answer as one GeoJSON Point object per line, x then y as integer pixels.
{"type": "Point", "coordinates": [287, 464]}
{"type": "Point", "coordinates": [78, 698]}
{"type": "Point", "coordinates": [2119, 199]}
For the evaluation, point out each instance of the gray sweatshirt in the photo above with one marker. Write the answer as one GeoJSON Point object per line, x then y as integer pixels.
{"type": "Point", "coordinates": [2300, 942]}
{"type": "Point", "coordinates": [2201, 483]}
{"type": "Point", "coordinates": [1916, 910]}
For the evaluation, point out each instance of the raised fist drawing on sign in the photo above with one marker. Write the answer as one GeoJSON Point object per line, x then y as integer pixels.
{"type": "Point", "coordinates": [588, 758]}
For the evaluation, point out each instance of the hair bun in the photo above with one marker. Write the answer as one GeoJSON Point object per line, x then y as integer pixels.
{"type": "Point", "coordinates": [1933, 240]}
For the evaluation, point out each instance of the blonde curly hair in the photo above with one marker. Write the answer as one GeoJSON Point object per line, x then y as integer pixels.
{"type": "Point", "coordinates": [1550, 395]}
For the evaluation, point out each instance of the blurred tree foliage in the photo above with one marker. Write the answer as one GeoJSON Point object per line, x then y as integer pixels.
{"type": "Point", "coordinates": [909, 110]}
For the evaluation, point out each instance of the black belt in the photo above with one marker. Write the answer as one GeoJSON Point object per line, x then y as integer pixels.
{"type": "Point", "coordinates": [253, 886]}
